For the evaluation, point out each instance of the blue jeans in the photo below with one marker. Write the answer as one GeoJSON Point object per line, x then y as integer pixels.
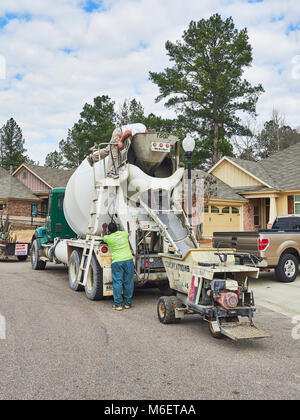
{"type": "Point", "coordinates": [123, 280]}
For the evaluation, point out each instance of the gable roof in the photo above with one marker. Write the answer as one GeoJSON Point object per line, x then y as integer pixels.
{"type": "Point", "coordinates": [280, 171]}
{"type": "Point", "coordinates": [284, 168]}
{"type": "Point", "coordinates": [219, 190]}
{"type": "Point", "coordinates": [52, 177]}
{"type": "Point", "coordinates": [11, 187]}
{"type": "Point", "coordinates": [254, 169]}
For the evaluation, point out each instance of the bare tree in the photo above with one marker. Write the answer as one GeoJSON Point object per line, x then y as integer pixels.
{"type": "Point", "coordinates": [244, 147]}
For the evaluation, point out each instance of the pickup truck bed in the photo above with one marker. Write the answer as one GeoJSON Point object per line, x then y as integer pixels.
{"type": "Point", "coordinates": [279, 248]}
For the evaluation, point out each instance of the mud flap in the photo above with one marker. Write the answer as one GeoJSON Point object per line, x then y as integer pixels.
{"type": "Point", "coordinates": [242, 330]}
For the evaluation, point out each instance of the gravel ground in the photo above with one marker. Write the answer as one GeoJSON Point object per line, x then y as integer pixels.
{"type": "Point", "coordinates": [60, 345]}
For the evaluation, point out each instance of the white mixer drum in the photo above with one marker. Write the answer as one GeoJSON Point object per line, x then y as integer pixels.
{"type": "Point", "coordinates": [79, 196]}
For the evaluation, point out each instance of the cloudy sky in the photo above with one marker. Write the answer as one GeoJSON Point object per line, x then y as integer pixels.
{"type": "Point", "coordinates": [56, 55]}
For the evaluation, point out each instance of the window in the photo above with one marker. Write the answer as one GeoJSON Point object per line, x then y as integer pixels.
{"type": "Point", "coordinates": [24, 175]}
{"type": "Point", "coordinates": [60, 201]}
{"type": "Point", "coordinates": [225, 210]}
{"type": "Point", "coordinates": [235, 210]}
{"type": "Point", "coordinates": [34, 210]}
{"type": "Point", "coordinates": [215, 209]}
{"type": "Point", "coordinates": [206, 209]}
{"type": "Point", "coordinates": [2, 206]}
{"type": "Point", "coordinates": [256, 216]}
{"type": "Point", "coordinates": [297, 204]}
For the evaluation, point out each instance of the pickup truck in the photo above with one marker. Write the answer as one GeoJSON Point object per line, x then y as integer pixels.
{"type": "Point", "coordinates": [278, 247]}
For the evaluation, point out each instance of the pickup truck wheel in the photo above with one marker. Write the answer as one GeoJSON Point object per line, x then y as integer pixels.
{"type": "Point", "coordinates": [287, 268]}
{"type": "Point", "coordinates": [94, 286]}
{"type": "Point", "coordinates": [36, 262]}
{"type": "Point", "coordinates": [73, 270]}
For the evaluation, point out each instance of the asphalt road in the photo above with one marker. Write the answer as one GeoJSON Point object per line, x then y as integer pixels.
{"type": "Point", "coordinates": [60, 345]}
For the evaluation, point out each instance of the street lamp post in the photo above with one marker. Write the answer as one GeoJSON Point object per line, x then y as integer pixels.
{"type": "Point", "coordinates": [188, 145]}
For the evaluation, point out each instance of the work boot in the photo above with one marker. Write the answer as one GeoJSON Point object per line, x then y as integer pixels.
{"type": "Point", "coordinates": [117, 308]}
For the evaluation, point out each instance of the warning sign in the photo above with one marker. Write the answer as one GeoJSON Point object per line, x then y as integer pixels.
{"type": "Point", "coordinates": [21, 249]}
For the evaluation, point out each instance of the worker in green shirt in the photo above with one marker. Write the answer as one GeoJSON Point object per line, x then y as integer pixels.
{"type": "Point", "coordinates": [122, 266]}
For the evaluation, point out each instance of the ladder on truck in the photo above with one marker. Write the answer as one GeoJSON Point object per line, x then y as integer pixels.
{"type": "Point", "coordinates": [91, 236]}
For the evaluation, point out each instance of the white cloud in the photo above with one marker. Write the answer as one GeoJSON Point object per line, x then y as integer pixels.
{"type": "Point", "coordinates": [59, 57]}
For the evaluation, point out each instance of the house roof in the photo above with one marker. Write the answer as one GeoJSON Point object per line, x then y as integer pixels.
{"type": "Point", "coordinates": [256, 169]}
{"type": "Point", "coordinates": [3, 172]}
{"type": "Point", "coordinates": [280, 171]}
{"type": "Point", "coordinates": [52, 177]}
{"type": "Point", "coordinates": [284, 168]}
{"type": "Point", "coordinates": [217, 188]}
{"type": "Point", "coordinates": [11, 187]}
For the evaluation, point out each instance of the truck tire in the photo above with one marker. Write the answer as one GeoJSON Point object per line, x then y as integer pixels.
{"type": "Point", "coordinates": [287, 268]}
{"type": "Point", "coordinates": [166, 306]}
{"type": "Point", "coordinates": [36, 262]}
{"type": "Point", "coordinates": [94, 286]}
{"type": "Point", "coordinates": [73, 270]}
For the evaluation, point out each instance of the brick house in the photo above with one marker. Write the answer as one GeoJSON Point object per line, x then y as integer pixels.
{"type": "Point", "coordinates": [16, 199]}
{"type": "Point", "coordinates": [40, 180]}
{"type": "Point", "coordinates": [271, 186]}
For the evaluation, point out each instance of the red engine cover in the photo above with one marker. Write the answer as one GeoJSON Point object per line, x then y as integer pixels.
{"type": "Point", "coordinates": [228, 300]}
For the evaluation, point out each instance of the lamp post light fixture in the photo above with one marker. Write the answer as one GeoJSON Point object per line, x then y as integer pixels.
{"type": "Point", "coordinates": [188, 145]}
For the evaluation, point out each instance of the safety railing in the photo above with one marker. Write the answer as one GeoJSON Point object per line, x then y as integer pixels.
{"type": "Point", "coordinates": [122, 155]}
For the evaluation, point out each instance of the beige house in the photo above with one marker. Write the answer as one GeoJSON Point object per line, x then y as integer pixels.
{"type": "Point", "coordinates": [219, 208]}
{"type": "Point", "coordinates": [271, 186]}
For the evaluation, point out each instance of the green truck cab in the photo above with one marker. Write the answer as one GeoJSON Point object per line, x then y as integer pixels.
{"type": "Point", "coordinates": [56, 225]}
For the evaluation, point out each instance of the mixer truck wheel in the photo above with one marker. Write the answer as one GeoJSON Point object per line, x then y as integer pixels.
{"type": "Point", "coordinates": [36, 262]}
{"type": "Point", "coordinates": [166, 306]}
{"type": "Point", "coordinates": [73, 270]}
{"type": "Point", "coordinates": [94, 286]}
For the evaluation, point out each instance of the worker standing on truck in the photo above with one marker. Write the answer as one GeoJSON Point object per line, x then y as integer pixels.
{"type": "Point", "coordinates": [122, 267]}
{"type": "Point", "coordinates": [118, 137]}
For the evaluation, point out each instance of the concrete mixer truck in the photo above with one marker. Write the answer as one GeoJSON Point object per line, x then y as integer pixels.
{"type": "Point", "coordinates": [146, 201]}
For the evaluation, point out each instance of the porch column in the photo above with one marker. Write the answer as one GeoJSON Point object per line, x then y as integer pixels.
{"type": "Point", "coordinates": [273, 212]}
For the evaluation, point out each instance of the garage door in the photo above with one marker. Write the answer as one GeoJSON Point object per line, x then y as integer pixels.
{"type": "Point", "coordinates": [221, 219]}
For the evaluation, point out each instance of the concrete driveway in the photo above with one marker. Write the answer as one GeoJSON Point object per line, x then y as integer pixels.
{"type": "Point", "coordinates": [283, 298]}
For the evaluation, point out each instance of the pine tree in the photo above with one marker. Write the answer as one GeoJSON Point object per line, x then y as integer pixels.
{"type": "Point", "coordinates": [54, 160]}
{"type": "Point", "coordinates": [130, 112]}
{"type": "Point", "coordinates": [12, 145]}
{"type": "Point", "coordinates": [206, 87]}
{"type": "Point", "coordinates": [95, 126]}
